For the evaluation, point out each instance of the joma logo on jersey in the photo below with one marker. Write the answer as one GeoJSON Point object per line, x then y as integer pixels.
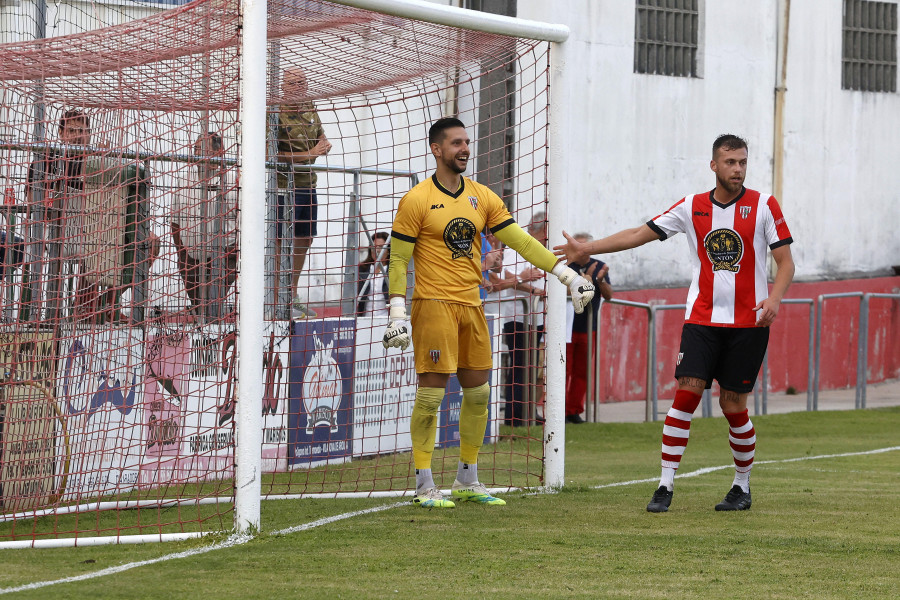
{"type": "Point", "coordinates": [434, 206]}
{"type": "Point", "coordinates": [724, 249]}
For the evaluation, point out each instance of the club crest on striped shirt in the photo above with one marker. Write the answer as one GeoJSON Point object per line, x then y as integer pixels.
{"type": "Point", "coordinates": [724, 249]}
{"type": "Point", "coordinates": [474, 202]}
{"type": "Point", "coordinates": [745, 212]}
{"type": "Point", "coordinates": [435, 356]}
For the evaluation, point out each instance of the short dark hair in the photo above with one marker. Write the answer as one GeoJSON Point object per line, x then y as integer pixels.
{"type": "Point", "coordinates": [728, 141]}
{"type": "Point", "coordinates": [73, 115]}
{"type": "Point", "coordinates": [436, 131]}
{"type": "Point", "coordinates": [380, 235]}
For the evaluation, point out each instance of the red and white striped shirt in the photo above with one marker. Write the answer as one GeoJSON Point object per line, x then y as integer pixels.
{"type": "Point", "coordinates": [728, 253]}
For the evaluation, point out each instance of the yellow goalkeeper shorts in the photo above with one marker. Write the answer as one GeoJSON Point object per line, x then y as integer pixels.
{"type": "Point", "coordinates": [447, 337]}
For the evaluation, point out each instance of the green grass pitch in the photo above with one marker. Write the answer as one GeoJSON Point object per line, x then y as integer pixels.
{"type": "Point", "coordinates": [819, 528]}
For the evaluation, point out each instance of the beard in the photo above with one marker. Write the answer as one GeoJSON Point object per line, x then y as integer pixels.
{"type": "Point", "coordinates": [454, 166]}
{"type": "Point", "coordinates": [730, 186]}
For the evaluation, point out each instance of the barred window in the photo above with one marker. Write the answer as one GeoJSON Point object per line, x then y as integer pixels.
{"type": "Point", "coordinates": [667, 37]}
{"type": "Point", "coordinates": [869, 61]}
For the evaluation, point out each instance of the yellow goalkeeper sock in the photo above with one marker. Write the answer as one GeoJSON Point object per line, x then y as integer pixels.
{"type": "Point", "coordinates": [472, 420]}
{"type": "Point", "coordinates": [423, 425]}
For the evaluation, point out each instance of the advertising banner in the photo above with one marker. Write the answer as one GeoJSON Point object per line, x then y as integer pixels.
{"type": "Point", "coordinates": [100, 377]}
{"type": "Point", "coordinates": [190, 395]}
{"type": "Point", "coordinates": [321, 392]}
{"type": "Point", "coordinates": [384, 392]}
{"type": "Point", "coordinates": [30, 421]}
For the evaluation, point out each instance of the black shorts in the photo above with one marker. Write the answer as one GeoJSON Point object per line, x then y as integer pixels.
{"type": "Point", "coordinates": [305, 214]}
{"type": "Point", "coordinates": [730, 355]}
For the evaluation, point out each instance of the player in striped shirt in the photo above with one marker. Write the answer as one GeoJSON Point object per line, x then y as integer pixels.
{"type": "Point", "coordinates": [729, 305]}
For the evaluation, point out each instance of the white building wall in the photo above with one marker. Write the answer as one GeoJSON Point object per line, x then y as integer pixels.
{"type": "Point", "coordinates": [641, 142]}
{"type": "Point", "coordinates": [842, 155]}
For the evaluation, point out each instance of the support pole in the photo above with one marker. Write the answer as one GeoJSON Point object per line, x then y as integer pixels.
{"type": "Point", "coordinates": [251, 290]}
{"type": "Point", "coordinates": [554, 408]}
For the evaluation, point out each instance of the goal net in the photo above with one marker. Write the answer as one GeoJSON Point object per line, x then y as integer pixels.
{"type": "Point", "coordinates": [120, 263]}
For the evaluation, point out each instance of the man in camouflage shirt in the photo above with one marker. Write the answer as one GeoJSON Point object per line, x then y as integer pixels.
{"type": "Point", "coordinates": [301, 140]}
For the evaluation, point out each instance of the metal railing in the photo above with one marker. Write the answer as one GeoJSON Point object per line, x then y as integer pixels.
{"type": "Point", "coordinates": [819, 308]}
{"type": "Point", "coordinates": [862, 344]}
{"type": "Point", "coordinates": [760, 392]}
{"type": "Point", "coordinates": [863, 351]}
{"type": "Point", "coordinates": [650, 413]}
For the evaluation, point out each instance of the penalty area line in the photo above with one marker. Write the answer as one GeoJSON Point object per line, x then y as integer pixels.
{"type": "Point", "coordinates": [231, 542]}
{"type": "Point", "coordinates": [706, 470]}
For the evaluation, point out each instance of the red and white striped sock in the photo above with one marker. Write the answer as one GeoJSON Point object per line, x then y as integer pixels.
{"type": "Point", "coordinates": [675, 434]}
{"type": "Point", "coordinates": [742, 437]}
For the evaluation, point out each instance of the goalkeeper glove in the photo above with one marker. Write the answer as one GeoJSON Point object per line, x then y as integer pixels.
{"type": "Point", "coordinates": [397, 333]}
{"type": "Point", "coordinates": [582, 290]}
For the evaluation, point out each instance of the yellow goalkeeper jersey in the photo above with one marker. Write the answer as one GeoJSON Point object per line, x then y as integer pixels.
{"type": "Point", "coordinates": [445, 228]}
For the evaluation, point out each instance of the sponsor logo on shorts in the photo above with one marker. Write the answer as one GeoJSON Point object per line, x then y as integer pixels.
{"type": "Point", "coordinates": [435, 356]}
{"type": "Point", "coordinates": [678, 360]}
{"type": "Point", "coordinates": [724, 249]}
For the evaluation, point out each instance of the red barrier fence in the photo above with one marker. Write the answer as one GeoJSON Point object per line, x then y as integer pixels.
{"type": "Point", "coordinates": [623, 361]}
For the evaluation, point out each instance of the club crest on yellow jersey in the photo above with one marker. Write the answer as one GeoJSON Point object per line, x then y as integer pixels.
{"type": "Point", "coordinates": [459, 235]}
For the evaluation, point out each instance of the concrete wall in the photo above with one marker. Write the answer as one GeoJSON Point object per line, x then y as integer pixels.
{"type": "Point", "coordinates": [641, 142]}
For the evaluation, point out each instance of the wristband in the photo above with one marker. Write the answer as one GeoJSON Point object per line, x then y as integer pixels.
{"type": "Point", "coordinates": [397, 308]}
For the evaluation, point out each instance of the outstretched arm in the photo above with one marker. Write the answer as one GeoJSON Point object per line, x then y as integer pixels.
{"type": "Point", "coordinates": [580, 252]}
{"type": "Point", "coordinates": [768, 308]}
{"type": "Point", "coordinates": [534, 252]}
{"type": "Point", "coordinates": [528, 248]}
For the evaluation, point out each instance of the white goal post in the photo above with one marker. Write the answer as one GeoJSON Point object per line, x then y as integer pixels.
{"type": "Point", "coordinates": [247, 452]}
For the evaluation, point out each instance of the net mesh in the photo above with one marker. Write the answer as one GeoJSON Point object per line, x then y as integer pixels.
{"type": "Point", "coordinates": [119, 151]}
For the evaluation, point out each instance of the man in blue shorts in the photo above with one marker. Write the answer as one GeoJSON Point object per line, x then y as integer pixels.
{"type": "Point", "coordinates": [301, 140]}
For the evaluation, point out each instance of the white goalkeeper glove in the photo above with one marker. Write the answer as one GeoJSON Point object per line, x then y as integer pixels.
{"type": "Point", "coordinates": [397, 333]}
{"type": "Point", "coordinates": [582, 290]}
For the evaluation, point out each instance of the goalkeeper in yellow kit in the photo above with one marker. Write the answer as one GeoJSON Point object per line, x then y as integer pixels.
{"type": "Point", "coordinates": [439, 223]}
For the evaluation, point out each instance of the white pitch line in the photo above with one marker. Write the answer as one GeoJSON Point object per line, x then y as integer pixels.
{"type": "Point", "coordinates": [706, 470]}
{"type": "Point", "coordinates": [232, 541]}
{"type": "Point", "coordinates": [237, 540]}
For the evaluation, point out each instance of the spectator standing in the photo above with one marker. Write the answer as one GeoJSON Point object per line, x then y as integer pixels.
{"type": "Point", "coordinates": [59, 176]}
{"type": "Point", "coordinates": [372, 291]}
{"type": "Point", "coordinates": [522, 325]}
{"type": "Point", "coordinates": [204, 223]}
{"type": "Point", "coordinates": [596, 272]}
{"type": "Point", "coordinates": [301, 140]}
